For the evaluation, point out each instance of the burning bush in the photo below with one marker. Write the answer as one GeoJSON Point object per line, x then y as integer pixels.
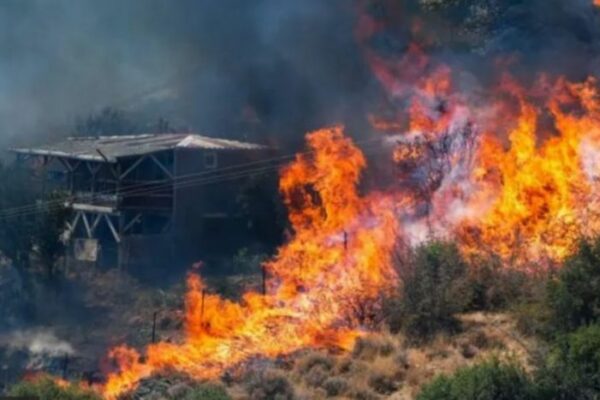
{"type": "Point", "coordinates": [435, 288]}
{"type": "Point", "coordinates": [489, 380]}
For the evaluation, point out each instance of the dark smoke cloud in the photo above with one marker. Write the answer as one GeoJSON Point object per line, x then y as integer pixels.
{"type": "Point", "coordinates": [263, 69]}
{"type": "Point", "coordinates": [551, 36]}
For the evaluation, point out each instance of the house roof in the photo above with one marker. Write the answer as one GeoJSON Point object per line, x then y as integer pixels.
{"type": "Point", "coordinates": [111, 148]}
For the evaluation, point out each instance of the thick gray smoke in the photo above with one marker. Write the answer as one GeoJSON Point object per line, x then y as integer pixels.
{"type": "Point", "coordinates": [260, 69]}
{"type": "Point", "coordinates": [265, 70]}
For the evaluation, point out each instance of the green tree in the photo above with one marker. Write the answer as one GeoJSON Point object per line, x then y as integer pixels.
{"type": "Point", "coordinates": [573, 366]}
{"type": "Point", "coordinates": [17, 215]}
{"type": "Point", "coordinates": [574, 296]}
{"type": "Point", "coordinates": [51, 224]}
{"type": "Point", "coordinates": [435, 287]}
{"type": "Point", "coordinates": [109, 121]}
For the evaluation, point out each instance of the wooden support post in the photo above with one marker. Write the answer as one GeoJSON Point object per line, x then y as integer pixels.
{"type": "Point", "coordinates": [154, 326]}
{"type": "Point", "coordinates": [65, 366]}
{"type": "Point", "coordinates": [264, 280]}
{"type": "Point", "coordinates": [202, 304]}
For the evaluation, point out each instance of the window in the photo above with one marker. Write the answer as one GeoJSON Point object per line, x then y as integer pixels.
{"type": "Point", "coordinates": [210, 159]}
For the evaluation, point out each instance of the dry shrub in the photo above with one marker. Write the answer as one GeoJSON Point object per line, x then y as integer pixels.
{"type": "Point", "coordinates": [311, 360]}
{"type": "Point", "coordinates": [344, 366]}
{"type": "Point", "coordinates": [364, 394]}
{"type": "Point", "coordinates": [401, 359]}
{"type": "Point", "coordinates": [269, 385]}
{"type": "Point", "coordinates": [468, 351]}
{"type": "Point", "coordinates": [316, 376]}
{"type": "Point", "coordinates": [315, 368]}
{"type": "Point", "coordinates": [383, 383]}
{"type": "Point", "coordinates": [368, 348]}
{"type": "Point", "coordinates": [335, 386]}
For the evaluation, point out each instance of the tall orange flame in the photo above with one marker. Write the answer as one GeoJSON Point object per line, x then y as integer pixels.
{"type": "Point", "coordinates": [545, 193]}
{"type": "Point", "coordinates": [339, 258]}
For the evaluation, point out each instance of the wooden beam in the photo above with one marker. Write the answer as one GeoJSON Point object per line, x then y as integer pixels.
{"type": "Point", "coordinates": [109, 163]}
{"type": "Point", "coordinates": [93, 208]}
{"type": "Point", "coordinates": [112, 229]}
{"type": "Point", "coordinates": [93, 169]}
{"type": "Point", "coordinates": [132, 222]}
{"type": "Point", "coordinates": [161, 166]}
{"type": "Point", "coordinates": [133, 166]}
{"type": "Point", "coordinates": [87, 225]}
{"type": "Point", "coordinates": [96, 221]}
{"type": "Point", "coordinates": [73, 224]}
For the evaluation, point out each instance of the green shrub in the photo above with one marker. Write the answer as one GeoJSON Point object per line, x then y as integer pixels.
{"type": "Point", "coordinates": [495, 287]}
{"type": "Point", "coordinates": [573, 366]}
{"type": "Point", "coordinates": [435, 288]}
{"type": "Point", "coordinates": [574, 296]}
{"type": "Point", "coordinates": [490, 380]}
{"type": "Point", "coordinates": [533, 318]}
{"type": "Point", "coordinates": [207, 392]}
{"type": "Point", "coordinates": [44, 388]}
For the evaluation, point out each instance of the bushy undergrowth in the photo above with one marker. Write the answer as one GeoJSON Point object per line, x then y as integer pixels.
{"type": "Point", "coordinates": [574, 296]}
{"type": "Point", "coordinates": [568, 299]}
{"type": "Point", "coordinates": [564, 311]}
{"type": "Point", "coordinates": [45, 388]}
{"type": "Point", "coordinates": [572, 370]}
{"type": "Point", "coordinates": [207, 392]}
{"type": "Point", "coordinates": [269, 385]}
{"type": "Point", "coordinates": [435, 287]}
{"type": "Point", "coordinates": [490, 380]}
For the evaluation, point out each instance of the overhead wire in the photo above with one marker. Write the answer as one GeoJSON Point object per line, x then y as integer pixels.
{"type": "Point", "coordinates": [182, 181]}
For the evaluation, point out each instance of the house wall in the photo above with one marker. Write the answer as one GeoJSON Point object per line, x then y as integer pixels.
{"type": "Point", "coordinates": [207, 216]}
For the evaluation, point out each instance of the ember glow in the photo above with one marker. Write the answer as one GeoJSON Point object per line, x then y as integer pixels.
{"type": "Point", "coordinates": [339, 258]}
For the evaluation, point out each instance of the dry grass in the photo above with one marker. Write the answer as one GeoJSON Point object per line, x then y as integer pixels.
{"type": "Point", "coordinates": [386, 366]}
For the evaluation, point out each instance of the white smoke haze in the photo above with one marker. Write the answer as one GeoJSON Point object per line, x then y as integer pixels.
{"type": "Point", "coordinates": [40, 342]}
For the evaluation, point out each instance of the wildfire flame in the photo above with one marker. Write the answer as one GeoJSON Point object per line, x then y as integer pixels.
{"type": "Point", "coordinates": [520, 182]}
{"type": "Point", "coordinates": [545, 194]}
{"type": "Point", "coordinates": [514, 172]}
{"type": "Point", "coordinates": [339, 259]}
{"type": "Point", "coordinates": [526, 199]}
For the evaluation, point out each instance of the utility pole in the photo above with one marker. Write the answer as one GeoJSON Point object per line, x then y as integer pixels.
{"type": "Point", "coordinates": [202, 304]}
{"type": "Point", "coordinates": [154, 326]}
{"type": "Point", "coordinates": [264, 280]}
{"type": "Point", "coordinates": [65, 366]}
